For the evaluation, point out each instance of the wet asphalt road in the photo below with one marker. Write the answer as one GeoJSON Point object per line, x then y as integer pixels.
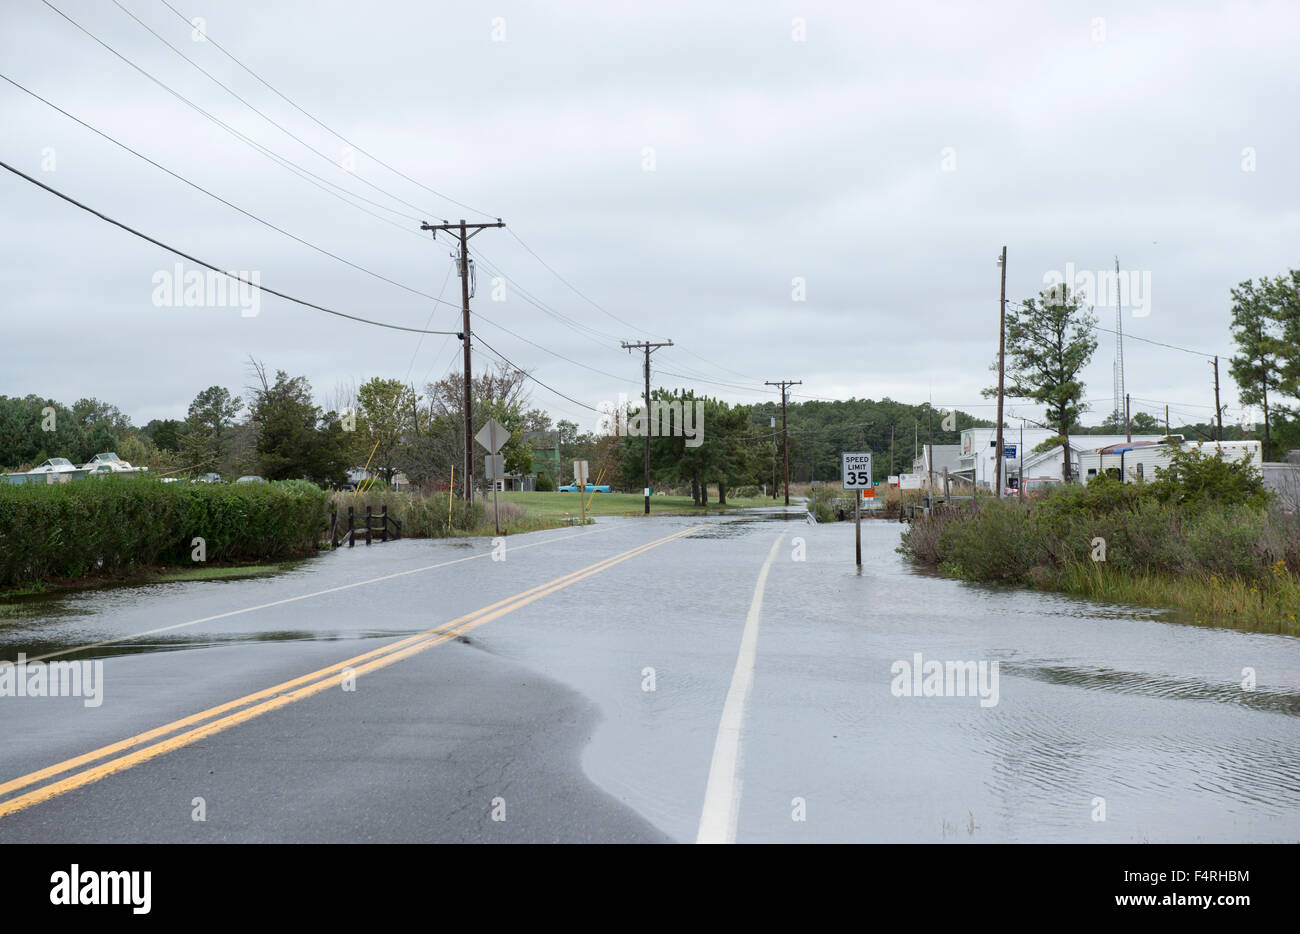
{"type": "Point", "coordinates": [591, 711]}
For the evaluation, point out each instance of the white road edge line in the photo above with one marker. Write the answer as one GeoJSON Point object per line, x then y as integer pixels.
{"type": "Point", "coordinates": [306, 596]}
{"type": "Point", "coordinates": [722, 794]}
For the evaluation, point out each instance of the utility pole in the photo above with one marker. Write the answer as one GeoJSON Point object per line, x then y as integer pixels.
{"type": "Point", "coordinates": [1166, 421]}
{"type": "Point", "coordinates": [772, 425]}
{"type": "Point", "coordinates": [929, 455]}
{"type": "Point", "coordinates": [463, 234]}
{"type": "Point", "coordinates": [1128, 417]}
{"type": "Point", "coordinates": [891, 453]}
{"type": "Point", "coordinates": [648, 347]}
{"type": "Point", "coordinates": [1218, 411]}
{"type": "Point", "coordinates": [785, 437]}
{"type": "Point", "coordinates": [1002, 351]}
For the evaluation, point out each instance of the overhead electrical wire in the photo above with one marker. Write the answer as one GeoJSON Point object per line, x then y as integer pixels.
{"type": "Point", "coordinates": [285, 163]}
{"type": "Point", "coordinates": [224, 51]}
{"type": "Point", "coordinates": [293, 166]}
{"type": "Point", "coordinates": [270, 120]}
{"type": "Point", "coordinates": [210, 194]}
{"type": "Point", "coordinates": [207, 265]}
{"type": "Point", "coordinates": [530, 376]}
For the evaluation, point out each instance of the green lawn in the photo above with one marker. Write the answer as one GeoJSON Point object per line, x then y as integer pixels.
{"type": "Point", "coordinates": [616, 504]}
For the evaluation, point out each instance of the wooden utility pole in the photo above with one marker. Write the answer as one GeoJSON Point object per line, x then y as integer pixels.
{"type": "Point", "coordinates": [775, 485]}
{"type": "Point", "coordinates": [1166, 421]}
{"type": "Point", "coordinates": [1002, 350]}
{"type": "Point", "coordinates": [929, 455]}
{"type": "Point", "coordinates": [785, 437]}
{"type": "Point", "coordinates": [648, 347]}
{"type": "Point", "coordinates": [1128, 417]}
{"type": "Point", "coordinates": [1218, 410]}
{"type": "Point", "coordinates": [463, 234]}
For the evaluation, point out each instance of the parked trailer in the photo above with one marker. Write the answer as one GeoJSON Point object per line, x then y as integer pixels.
{"type": "Point", "coordinates": [1142, 460]}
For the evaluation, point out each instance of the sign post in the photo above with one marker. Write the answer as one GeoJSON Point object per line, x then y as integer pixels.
{"type": "Point", "coordinates": [492, 436]}
{"type": "Point", "coordinates": [855, 475]}
{"type": "Point", "coordinates": [580, 474]}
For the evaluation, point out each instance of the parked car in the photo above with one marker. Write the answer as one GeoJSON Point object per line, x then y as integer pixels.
{"type": "Point", "coordinates": [251, 479]}
{"type": "Point", "coordinates": [209, 478]}
{"type": "Point", "coordinates": [108, 460]}
{"type": "Point", "coordinates": [55, 465]}
{"type": "Point", "coordinates": [589, 488]}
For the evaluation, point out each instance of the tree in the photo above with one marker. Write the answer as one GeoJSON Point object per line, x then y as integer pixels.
{"type": "Point", "coordinates": [210, 422]}
{"type": "Point", "coordinates": [33, 429]}
{"type": "Point", "coordinates": [1257, 312]}
{"type": "Point", "coordinates": [385, 413]}
{"type": "Point", "coordinates": [438, 447]}
{"type": "Point", "coordinates": [166, 434]}
{"type": "Point", "coordinates": [99, 424]}
{"type": "Point", "coordinates": [294, 439]}
{"type": "Point", "coordinates": [1049, 340]}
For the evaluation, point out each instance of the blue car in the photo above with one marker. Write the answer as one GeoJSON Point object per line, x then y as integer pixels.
{"type": "Point", "coordinates": [590, 488]}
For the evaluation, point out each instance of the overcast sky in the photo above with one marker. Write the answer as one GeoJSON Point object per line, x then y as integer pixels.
{"type": "Point", "coordinates": [680, 164]}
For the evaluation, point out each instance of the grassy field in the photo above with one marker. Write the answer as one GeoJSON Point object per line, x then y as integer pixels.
{"type": "Point", "coordinates": [558, 505]}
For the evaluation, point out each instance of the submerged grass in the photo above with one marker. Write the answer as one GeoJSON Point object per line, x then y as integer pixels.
{"type": "Point", "coordinates": [1258, 606]}
{"type": "Point", "coordinates": [1228, 563]}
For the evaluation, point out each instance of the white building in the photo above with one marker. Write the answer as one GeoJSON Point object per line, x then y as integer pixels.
{"type": "Point", "coordinates": [978, 455]}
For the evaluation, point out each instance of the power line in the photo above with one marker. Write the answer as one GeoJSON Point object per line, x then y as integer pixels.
{"type": "Point", "coordinates": [216, 197]}
{"type": "Point", "coordinates": [528, 375]}
{"type": "Point", "coordinates": [208, 38]}
{"type": "Point", "coordinates": [268, 119]}
{"type": "Point", "coordinates": [1147, 340]}
{"type": "Point", "coordinates": [207, 265]}
{"type": "Point", "coordinates": [285, 163]}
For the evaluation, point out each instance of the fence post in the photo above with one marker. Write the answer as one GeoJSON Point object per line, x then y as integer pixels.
{"type": "Point", "coordinates": [383, 513]}
{"type": "Point", "coordinates": [351, 528]}
{"type": "Point", "coordinates": [334, 528]}
{"type": "Point", "coordinates": [367, 523]}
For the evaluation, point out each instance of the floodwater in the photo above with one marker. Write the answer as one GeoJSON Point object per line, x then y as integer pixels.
{"type": "Point", "coordinates": [1108, 724]}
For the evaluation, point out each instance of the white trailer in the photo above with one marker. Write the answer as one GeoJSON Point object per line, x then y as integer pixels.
{"type": "Point", "coordinates": [1141, 461]}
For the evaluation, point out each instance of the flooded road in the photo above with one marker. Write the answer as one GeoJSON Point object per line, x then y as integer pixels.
{"type": "Point", "coordinates": [592, 705]}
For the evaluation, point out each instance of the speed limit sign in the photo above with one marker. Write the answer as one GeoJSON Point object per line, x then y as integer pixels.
{"type": "Point", "coordinates": [855, 471]}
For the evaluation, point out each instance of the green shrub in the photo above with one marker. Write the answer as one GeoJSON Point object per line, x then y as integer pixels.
{"type": "Point", "coordinates": [120, 523]}
{"type": "Point", "coordinates": [544, 482]}
{"type": "Point", "coordinates": [744, 492]}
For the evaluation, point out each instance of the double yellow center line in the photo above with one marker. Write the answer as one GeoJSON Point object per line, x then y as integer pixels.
{"type": "Point", "coordinates": [142, 747]}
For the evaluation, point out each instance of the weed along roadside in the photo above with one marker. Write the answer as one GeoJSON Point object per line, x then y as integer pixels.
{"type": "Point", "coordinates": [1204, 539]}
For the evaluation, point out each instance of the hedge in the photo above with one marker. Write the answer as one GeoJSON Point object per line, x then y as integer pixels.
{"type": "Point", "coordinates": [66, 530]}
